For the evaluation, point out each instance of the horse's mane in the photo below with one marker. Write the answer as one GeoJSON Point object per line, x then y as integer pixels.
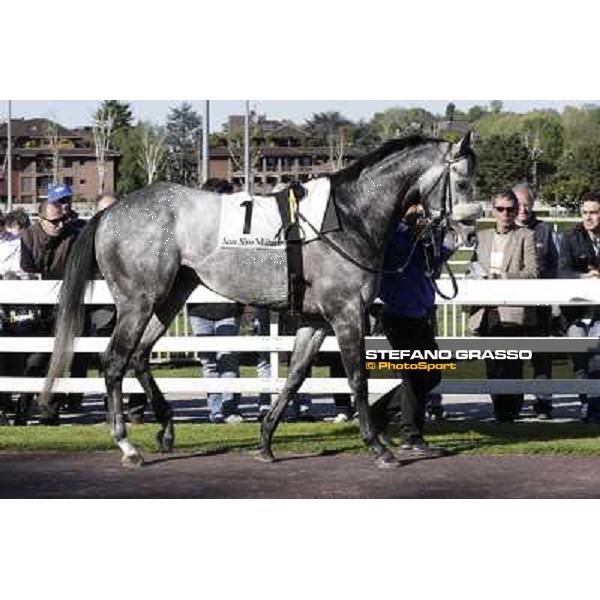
{"type": "Point", "coordinates": [353, 171]}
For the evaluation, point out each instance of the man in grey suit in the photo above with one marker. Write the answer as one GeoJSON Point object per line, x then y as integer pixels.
{"type": "Point", "coordinates": [504, 252]}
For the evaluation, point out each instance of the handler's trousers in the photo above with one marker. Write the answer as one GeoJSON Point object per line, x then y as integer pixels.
{"type": "Point", "coordinates": [410, 397]}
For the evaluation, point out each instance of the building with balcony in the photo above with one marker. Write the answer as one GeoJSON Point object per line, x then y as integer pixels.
{"type": "Point", "coordinates": [281, 152]}
{"type": "Point", "coordinates": [40, 143]}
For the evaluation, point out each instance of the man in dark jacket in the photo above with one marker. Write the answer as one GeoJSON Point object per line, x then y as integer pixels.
{"type": "Point", "coordinates": [580, 258]}
{"type": "Point", "coordinates": [62, 195]}
{"type": "Point", "coordinates": [407, 321]}
{"type": "Point", "coordinates": [45, 248]}
{"type": "Point", "coordinates": [547, 260]}
{"type": "Point", "coordinates": [46, 245]}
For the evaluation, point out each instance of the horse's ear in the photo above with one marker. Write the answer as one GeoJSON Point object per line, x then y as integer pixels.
{"type": "Point", "coordinates": [462, 147]}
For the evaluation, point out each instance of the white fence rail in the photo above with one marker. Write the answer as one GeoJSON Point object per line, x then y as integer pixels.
{"type": "Point", "coordinates": [471, 292]}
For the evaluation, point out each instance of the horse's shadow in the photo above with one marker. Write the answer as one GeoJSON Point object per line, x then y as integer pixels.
{"type": "Point", "coordinates": [280, 458]}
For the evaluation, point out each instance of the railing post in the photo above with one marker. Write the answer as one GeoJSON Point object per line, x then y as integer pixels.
{"type": "Point", "coordinates": [274, 356]}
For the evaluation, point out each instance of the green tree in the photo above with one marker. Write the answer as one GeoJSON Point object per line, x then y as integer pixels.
{"type": "Point", "coordinates": [184, 126]}
{"type": "Point", "coordinates": [335, 131]}
{"type": "Point", "coordinates": [567, 190]}
{"type": "Point", "coordinates": [325, 125]}
{"type": "Point", "coordinates": [475, 113]}
{"type": "Point", "coordinates": [578, 172]}
{"type": "Point", "coordinates": [395, 122]}
{"type": "Point", "coordinates": [496, 106]}
{"type": "Point", "coordinates": [545, 126]}
{"type": "Point", "coordinates": [450, 111]}
{"type": "Point", "coordinates": [143, 157]}
{"type": "Point", "coordinates": [131, 175]}
{"type": "Point", "coordinates": [541, 131]}
{"type": "Point", "coordinates": [364, 135]}
{"type": "Point", "coordinates": [581, 125]}
{"type": "Point", "coordinates": [121, 114]}
{"type": "Point", "coordinates": [584, 159]}
{"type": "Point", "coordinates": [501, 162]}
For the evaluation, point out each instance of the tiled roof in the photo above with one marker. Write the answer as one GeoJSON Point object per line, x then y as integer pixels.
{"type": "Point", "coordinates": [35, 128]}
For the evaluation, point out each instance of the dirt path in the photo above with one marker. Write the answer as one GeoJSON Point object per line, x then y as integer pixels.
{"type": "Point", "coordinates": [99, 475]}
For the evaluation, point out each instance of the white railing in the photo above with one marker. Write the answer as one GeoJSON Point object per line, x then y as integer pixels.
{"type": "Point", "coordinates": [471, 292]}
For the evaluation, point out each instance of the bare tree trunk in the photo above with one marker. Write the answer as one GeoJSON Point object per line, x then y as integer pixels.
{"type": "Point", "coordinates": [52, 134]}
{"type": "Point", "coordinates": [235, 147]}
{"type": "Point", "coordinates": [331, 140]}
{"type": "Point", "coordinates": [102, 137]}
{"type": "Point", "coordinates": [153, 153]}
{"type": "Point", "coordinates": [341, 150]}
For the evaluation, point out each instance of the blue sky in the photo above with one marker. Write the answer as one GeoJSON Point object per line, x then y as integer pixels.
{"type": "Point", "coordinates": [73, 113]}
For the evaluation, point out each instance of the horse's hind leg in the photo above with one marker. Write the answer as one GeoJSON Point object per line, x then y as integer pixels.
{"type": "Point", "coordinates": [183, 286]}
{"type": "Point", "coordinates": [140, 363]}
{"type": "Point", "coordinates": [307, 344]}
{"type": "Point", "coordinates": [133, 317]}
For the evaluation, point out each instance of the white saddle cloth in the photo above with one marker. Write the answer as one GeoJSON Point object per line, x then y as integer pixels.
{"type": "Point", "coordinates": [265, 220]}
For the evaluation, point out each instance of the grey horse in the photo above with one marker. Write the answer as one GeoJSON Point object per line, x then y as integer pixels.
{"type": "Point", "coordinates": [161, 242]}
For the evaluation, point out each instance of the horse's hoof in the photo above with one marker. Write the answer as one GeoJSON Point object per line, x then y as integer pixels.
{"type": "Point", "coordinates": [265, 456]}
{"type": "Point", "coordinates": [132, 461]}
{"type": "Point", "coordinates": [387, 461]}
{"type": "Point", "coordinates": [165, 442]}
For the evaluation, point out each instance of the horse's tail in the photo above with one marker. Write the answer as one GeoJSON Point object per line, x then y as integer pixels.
{"type": "Point", "coordinates": [70, 310]}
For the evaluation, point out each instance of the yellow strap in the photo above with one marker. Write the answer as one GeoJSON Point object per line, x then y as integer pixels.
{"type": "Point", "coordinates": [292, 206]}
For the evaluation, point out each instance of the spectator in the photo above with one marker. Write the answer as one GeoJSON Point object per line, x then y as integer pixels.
{"type": "Point", "coordinates": [261, 327]}
{"type": "Point", "coordinates": [10, 250]}
{"type": "Point", "coordinates": [504, 252]}
{"type": "Point", "coordinates": [45, 248]}
{"type": "Point", "coordinates": [10, 260]}
{"type": "Point", "coordinates": [406, 318]}
{"type": "Point", "coordinates": [579, 258]}
{"type": "Point", "coordinates": [301, 409]}
{"type": "Point", "coordinates": [547, 259]}
{"type": "Point", "coordinates": [221, 320]}
{"type": "Point", "coordinates": [63, 196]}
{"type": "Point", "coordinates": [17, 221]}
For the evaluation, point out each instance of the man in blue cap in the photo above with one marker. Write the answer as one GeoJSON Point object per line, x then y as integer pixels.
{"type": "Point", "coordinates": [62, 194]}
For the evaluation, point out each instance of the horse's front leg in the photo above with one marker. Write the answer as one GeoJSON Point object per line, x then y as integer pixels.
{"type": "Point", "coordinates": [307, 344]}
{"type": "Point", "coordinates": [349, 327]}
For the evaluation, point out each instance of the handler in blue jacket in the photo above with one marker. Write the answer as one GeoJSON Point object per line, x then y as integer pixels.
{"type": "Point", "coordinates": [408, 321]}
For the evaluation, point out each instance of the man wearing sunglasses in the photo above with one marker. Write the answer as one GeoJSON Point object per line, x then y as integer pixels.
{"type": "Point", "coordinates": [45, 248]}
{"type": "Point", "coordinates": [504, 252]}
{"type": "Point", "coordinates": [62, 195]}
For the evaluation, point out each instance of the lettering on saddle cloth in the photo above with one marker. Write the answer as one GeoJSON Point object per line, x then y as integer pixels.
{"type": "Point", "coordinates": [256, 222]}
{"type": "Point", "coordinates": [273, 223]}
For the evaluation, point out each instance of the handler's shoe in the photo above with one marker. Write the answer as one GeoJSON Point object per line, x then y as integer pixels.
{"type": "Point", "coordinates": [420, 449]}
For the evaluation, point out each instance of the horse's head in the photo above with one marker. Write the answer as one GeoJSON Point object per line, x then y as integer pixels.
{"type": "Point", "coordinates": [446, 189]}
